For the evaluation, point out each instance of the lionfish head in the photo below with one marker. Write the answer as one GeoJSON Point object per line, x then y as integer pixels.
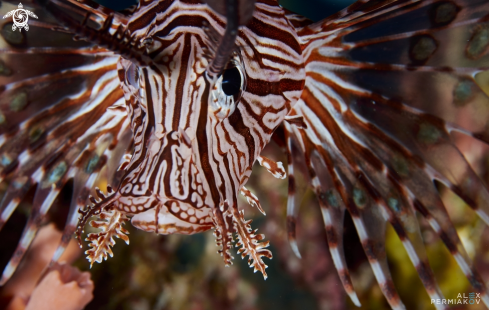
{"type": "Point", "coordinates": [204, 94]}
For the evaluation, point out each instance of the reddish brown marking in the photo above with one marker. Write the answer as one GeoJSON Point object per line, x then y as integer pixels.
{"type": "Point", "coordinates": [399, 229]}
{"type": "Point", "coordinates": [143, 20]}
{"type": "Point", "coordinates": [291, 224]}
{"type": "Point", "coordinates": [426, 276]}
{"type": "Point", "coordinates": [390, 292]}
{"type": "Point", "coordinates": [264, 88]}
{"type": "Point", "coordinates": [345, 279]}
{"type": "Point", "coordinates": [185, 56]}
{"type": "Point", "coordinates": [264, 30]}
{"type": "Point", "coordinates": [291, 185]}
{"type": "Point", "coordinates": [236, 121]}
{"type": "Point", "coordinates": [296, 120]}
{"type": "Point", "coordinates": [332, 236]}
{"type": "Point", "coordinates": [374, 250]}
{"type": "Point", "coordinates": [452, 247]}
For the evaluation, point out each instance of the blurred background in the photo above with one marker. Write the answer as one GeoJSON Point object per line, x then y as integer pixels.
{"type": "Point", "coordinates": [185, 272]}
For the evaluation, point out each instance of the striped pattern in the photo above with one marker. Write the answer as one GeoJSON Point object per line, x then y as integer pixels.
{"type": "Point", "coordinates": [191, 158]}
{"type": "Point", "coordinates": [375, 141]}
{"type": "Point", "coordinates": [178, 150]}
{"type": "Point", "coordinates": [43, 141]}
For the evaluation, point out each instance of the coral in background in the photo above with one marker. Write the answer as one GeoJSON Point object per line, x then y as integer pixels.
{"type": "Point", "coordinates": [63, 287]}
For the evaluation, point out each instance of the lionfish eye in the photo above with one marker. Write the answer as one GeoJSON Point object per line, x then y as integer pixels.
{"type": "Point", "coordinates": [232, 81]}
{"type": "Point", "coordinates": [132, 76]}
{"type": "Point", "coordinates": [228, 88]}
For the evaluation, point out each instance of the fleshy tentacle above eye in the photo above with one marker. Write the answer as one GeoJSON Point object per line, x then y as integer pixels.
{"type": "Point", "coordinates": [374, 147]}
{"type": "Point", "coordinates": [238, 13]}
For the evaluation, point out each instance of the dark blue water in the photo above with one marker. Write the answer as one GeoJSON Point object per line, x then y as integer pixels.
{"type": "Point", "coordinates": [313, 9]}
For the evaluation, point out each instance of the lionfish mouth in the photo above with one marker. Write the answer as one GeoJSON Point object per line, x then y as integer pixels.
{"type": "Point", "coordinates": [112, 211]}
{"type": "Point", "coordinates": [173, 216]}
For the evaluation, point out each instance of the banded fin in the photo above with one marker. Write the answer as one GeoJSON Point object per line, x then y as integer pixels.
{"type": "Point", "coordinates": [42, 140]}
{"type": "Point", "coordinates": [295, 191]}
{"type": "Point", "coordinates": [333, 213]}
{"type": "Point", "coordinates": [374, 138]}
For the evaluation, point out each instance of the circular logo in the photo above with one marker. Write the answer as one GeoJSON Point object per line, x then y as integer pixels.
{"type": "Point", "coordinates": [20, 18]}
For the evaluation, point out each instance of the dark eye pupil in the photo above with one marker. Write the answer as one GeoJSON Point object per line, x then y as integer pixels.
{"type": "Point", "coordinates": [231, 81]}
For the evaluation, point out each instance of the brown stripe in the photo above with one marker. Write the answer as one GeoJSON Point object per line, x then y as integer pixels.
{"type": "Point", "coordinates": [390, 292]}
{"type": "Point", "coordinates": [291, 185]}
{"type": "Point", "coordinates": [426, 276]}
{"type": "Point", "coordinates": [332, 236]}
{"type": "Point", "coordinates": [269, 31]}
{"type": "Point", "coordinates": [264, 88]}
{"type": "Point", "coordinates": [187, 49]}
{"type": "Point", "coordinates": [370, 248]}
{"type": "Point", "coordinates": [180, 21]}
{"type": "Point", "coordinates": [345, 279]}
{"type": "Point", "coordinates": [201, 135]}
{"type": "Point", "coordinates": [291, 227]}
{"type": "Point", "coordinates": [145, 19]}
{"type": "Point", "coordinates": [236, 121]}
{"type": "Point", "coordinates": [398, 228]}
{"type": "Point", "coordinates": [452, 247]}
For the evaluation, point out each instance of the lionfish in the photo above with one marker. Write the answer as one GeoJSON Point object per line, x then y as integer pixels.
{"type": "Point", "coordinates": [176, 99]}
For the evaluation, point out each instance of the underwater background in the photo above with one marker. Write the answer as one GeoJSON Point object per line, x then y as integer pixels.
{"type": "Point", "coordinates": [184, 272]}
